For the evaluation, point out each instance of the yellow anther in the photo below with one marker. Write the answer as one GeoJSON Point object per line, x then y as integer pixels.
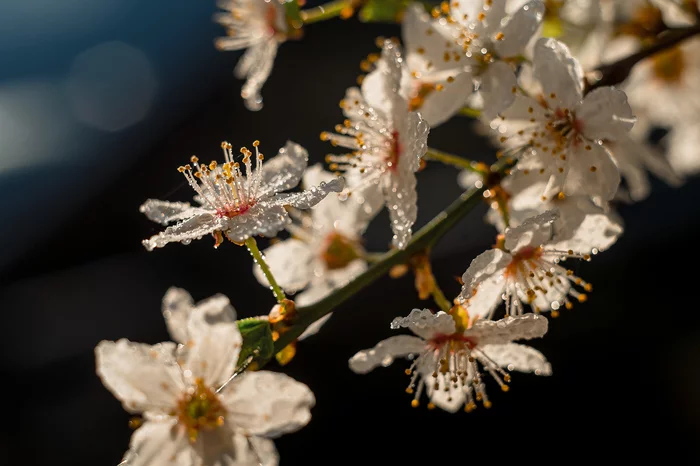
{"type": "Point", "coordinates": [414, 403]}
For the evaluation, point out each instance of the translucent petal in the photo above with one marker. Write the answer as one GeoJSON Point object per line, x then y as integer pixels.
{"type": "Point", "coordinates": [491, 263]}
{"type": "Point", "coordinates": [291, 262]}
{"type": "Point", "coordinates": [425, 324]}
{"type": "Point", "coordinates": [584, 226]}
{"type": "Point", "coordinates": [520, 28]}
{"type": "Point", "coordinates": [268, 403]}
{"type": "Point", "coordinates": [178, 304]}
{"type": "Point", "coordinates": [142, 377]}
{"type": "Point", "coordinates": [384, 353]}
{"type": "Point", "coordinates": [308, 198]}
{"type": "Point", "coordinates": [519, 358]}
{"type": "Point", "coordinates": [185, 231]}
{"type": "Point", "coordinates": [165, 212]}
{"type": "Point", "coordinates": [591, 172]}
{"type": "Point", "coordinates": [159, 442]}
{"type": "Point", "coordinates": [258, 61]}
{"type": "Point", "coordinates": [558, 72]}
{"type": "Point", "coordinates": [532, 233]}
{"type": "Point", "coordinates": [605, 114]}
{"type": "Point", "coordinates": [211, 352]}
{"type": "Point", "coordinates": [525, 327]}
{"type": "Point", "coordinates": [284, 171]}
{"type": "Point", "coordinates": [497, 89]}
{"type": "Point", "coordinates": [261, 219]}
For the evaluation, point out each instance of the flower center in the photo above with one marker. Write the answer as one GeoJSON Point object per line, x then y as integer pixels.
{"type": "Point", "coordinates": [525, 254]}
{"type": "Point", "coordinates": [456, 341]}
{"type": "Point", "coordinates": [392, 159]}
{"type": "Point", "coordinates": [421, 91]}
{"type": "Point", "coordinates": [271, 20]}
{"type": "Point", "coordinates": [228, 188]}
{"type": "Point", "coordinates": [669, 65]}
{"type": "Point", "coordinates": [339, 251]}
{"type": "Point", "coordinates": [200, 409]}
{"type": "Point", "coordinates": [646, 23]}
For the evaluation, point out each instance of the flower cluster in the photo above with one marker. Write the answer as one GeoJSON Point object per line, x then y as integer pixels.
{"type": "Point", "coordinates": [544, 80]}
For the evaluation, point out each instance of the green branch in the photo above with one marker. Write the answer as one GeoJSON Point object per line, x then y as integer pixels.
{"type": "Point", "coordinates": [422, 240]}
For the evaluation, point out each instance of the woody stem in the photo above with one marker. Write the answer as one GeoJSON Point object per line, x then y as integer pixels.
{"type": "Point", "coordinates": [252, 246]}
{"type": "Point", "coordinates": [617, 72]}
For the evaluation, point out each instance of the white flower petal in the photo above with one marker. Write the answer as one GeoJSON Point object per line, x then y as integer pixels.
{"type": "Point", "coordinates": [211, 353]}
{"type": "Point", "coordinates": [314, 328]}
{"type": "Point", "coordinates": [440, 106]}
{"type": "Point", "coordinates": [484, 266]}
{"type": "Point", "coordinates": [401, 201]}
{"type": "Point", "coordinates": [384, 353]}
{"type": "Point", "coordinates": [258, 61]}
{"type": "Point", "coordinates": [583, 226]}
{"type": "Point", "coordinates": [450, 400]}
{"type": "Point", "coordinates": [497, 88]}
{"type": "Point", "coordinates": [633, 159]}
{"type": "Point", "coordinates": [519, 358]}
{"type": "Point", "coordinates": [487, 297]}
{"type": "Point", "coordinates": [558, 72]}
{"type": "Point", "coordinates": [426, 41]}
{"type": "Point", "coordinates": [159, 443]}
{"type": "Point", "coordinates": [184, 231]}
{"type": "Point", "coordinates": [525, 327]}
{"type": "Point", "coordinates": [592, 172]}
{"type": "Point", "coordinates": [284, 171]}
{"type": "Point", "coordinates": [308, 198]}
{"type": "Point", "coordinates": [178, 304]}
{"type": "Point", "coordinates": [142, 377]}
{"type": "Point", "coordinates": [268, 403]}
{"type": "Point", "coordinates": [165, 212]}
{"type": "Point", "coordinates": [223, 447]}
{"type": "Point", "coordinates": [605, 114]}
{"type": "Point", "coordinates": [683, 152]}
{"type": "Point", "coordinates": [520, 28]}
{"type": "Point", "coordinates": [533, 232]}
{"type": "Point", "coordinates": [349, 216]}
{"type": "Point", "coordinates": [261, 219]}
{"type": "Point", "coordinates": [425, 324]}
{"type": "Point", "coordinates": [523, 108]}
{"type": "Point", "coordinates": [381, 88]}
{"type": "Point", "coordinates": [291, 262]}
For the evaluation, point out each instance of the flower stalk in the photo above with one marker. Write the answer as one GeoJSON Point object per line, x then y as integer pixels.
{"type": "Point", "coordinates": [454, 160]}
{"type": "Point", "coordinates": [252, 246]}
{"type": "Point", "coordinates": [326, 11]}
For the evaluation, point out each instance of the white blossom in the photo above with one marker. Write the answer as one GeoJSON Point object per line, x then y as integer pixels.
{"type": "Point", "coordinates": [665, 89]}
{"type": "Point", "coordinates": [446, 356]}
{"type": "Point", "coordinates": [524, 269]}
{"type": "Point", "coordinates": [435, 80]}
{"type": "Point", "coordinates": [581, 225]}
{"type": "Point", "coordinates": [325, 251]}
{"type": "Point", "coordinates": [196, 411]}
{"type": "Point", "coordinates": [236, 202]}
{"type": "Point", "coordinates": [492, 42]}
{"type": "Point", "coordinates": [387, 141]}
{"type": "Point", "coordinates": [564, 130]}
{"type": "Point", "coordinates": [259, 26]}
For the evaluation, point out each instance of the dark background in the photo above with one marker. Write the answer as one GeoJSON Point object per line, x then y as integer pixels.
{"type": "Point", "coordinates": [73, 272]}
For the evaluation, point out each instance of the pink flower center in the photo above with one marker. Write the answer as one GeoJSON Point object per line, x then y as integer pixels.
{"type": "Point", "coordinates": [395, 152]}
{"type": "Point", "coordinates": [455, 340]}
{"type": "Point", "coordinates": [233, 211]}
